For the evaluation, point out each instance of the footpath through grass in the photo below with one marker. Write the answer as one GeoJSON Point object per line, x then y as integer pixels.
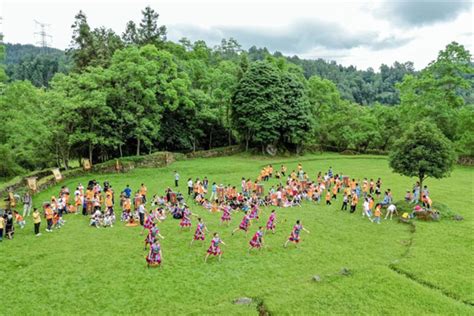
{"type": "Point", "coordinates": [95, 271]}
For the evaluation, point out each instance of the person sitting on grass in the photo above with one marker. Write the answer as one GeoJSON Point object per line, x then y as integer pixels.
{"type": "Point", "coordinates": [95, 220]}
{"type": "Point", "coordinates": [19, 220]}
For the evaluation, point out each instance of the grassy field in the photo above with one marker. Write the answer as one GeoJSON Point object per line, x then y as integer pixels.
{"type": "Point", "coordinates": [83, 270]}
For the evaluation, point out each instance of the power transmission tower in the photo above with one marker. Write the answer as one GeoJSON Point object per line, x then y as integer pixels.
{"type": "Point", "coordinates": [44, 37]}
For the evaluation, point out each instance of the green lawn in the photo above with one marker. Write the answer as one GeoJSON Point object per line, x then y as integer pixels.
{"type": "Point", "coordinates": [86, 270]}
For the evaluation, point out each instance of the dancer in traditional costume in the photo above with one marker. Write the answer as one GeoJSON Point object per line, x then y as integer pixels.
{"type": "Point", "coordinates": [153, 233]}
{"type": "Point", "coordinates": [200, 233]}
{"type": "Point", "coordinates": [214, 249]}
{"type": "Point", "coordinates": [244, 225]}
{"type": "Point", "coordinates": [271, 222]}
{"type": "Point", "coordinates": [155, 256]}
{"type": "Point", "coordinates": [257, 239]}
{"type": "Point", "coordinates": [295, 233]}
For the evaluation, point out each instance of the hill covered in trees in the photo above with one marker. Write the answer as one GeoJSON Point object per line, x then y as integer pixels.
{"type": "Point", "coordinates": [114, 95]}
{"type": "Point", "coordinates": [38, 65]}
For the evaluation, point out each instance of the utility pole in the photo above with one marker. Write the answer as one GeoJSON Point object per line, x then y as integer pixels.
{"type": "Point", "coordinates": [44, 37]}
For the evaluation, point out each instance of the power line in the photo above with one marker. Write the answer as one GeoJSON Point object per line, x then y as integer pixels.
{"type": "Point", "coordinates": [44, 37]}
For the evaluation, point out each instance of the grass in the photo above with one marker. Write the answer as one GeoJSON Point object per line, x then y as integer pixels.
{"type": "Point", "coordinates": [96, 271]}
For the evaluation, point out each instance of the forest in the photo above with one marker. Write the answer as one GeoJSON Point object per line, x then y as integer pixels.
{"type": "Point", "coordinates": [113, 95]}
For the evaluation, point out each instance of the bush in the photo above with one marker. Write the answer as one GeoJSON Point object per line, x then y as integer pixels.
{"type": "Point", "coordinates": [8, 166]}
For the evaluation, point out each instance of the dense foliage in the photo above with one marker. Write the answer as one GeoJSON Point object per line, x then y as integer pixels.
{"type": "Point", "coordinates": [115, 95]}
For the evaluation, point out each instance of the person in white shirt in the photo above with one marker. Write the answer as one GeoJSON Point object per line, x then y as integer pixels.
{"type": "Point", "coordinates": [366, 209]}
{"type": "Point", "coordinates": [176, 178]}
{"type": "Point", "coordinates": [390, 210]}
{"type": "Point", "coordinates": [141, 214]}
{"type": "Point", "coordinates": [190, 186]}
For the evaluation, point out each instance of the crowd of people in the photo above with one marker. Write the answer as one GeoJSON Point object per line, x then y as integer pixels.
{"type": "Point", "coordinates": [97, 202]}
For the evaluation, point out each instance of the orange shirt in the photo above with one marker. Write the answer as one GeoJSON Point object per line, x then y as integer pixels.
{"type": "Point", "coordinates": [328, 196]}
{"type": "Point", "coordinates": [355, 200]}
{"type": "Point", "coordinates": [48, 212]}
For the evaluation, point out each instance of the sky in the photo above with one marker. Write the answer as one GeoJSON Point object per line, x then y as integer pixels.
{"type": "Point", "coordinates": [360, 33]}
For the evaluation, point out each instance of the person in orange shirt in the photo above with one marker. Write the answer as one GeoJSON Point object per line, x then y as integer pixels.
{"type": "Point", "coordinates": [126, 207]}
{"type": "Point", "coordinates": [78, 202]}
{"type": "Point", "coordinates": [88, 202]}
{"type": "Point", "coordinates": [109, 201]}
{"type": "Point", "coordinates": [48, 213]}
{"type": "Point", "coordinates": [354, 202]}
{"type": "Point", "coordinates": [143, 191]}
{"type": "Point", "coordinates": [377, 213]}
{"type": "Point", "coordinates": [328, 198]}
{"type": "Point", "coordinates": [334, 192]}
{"type": "Point", "coordinates": [19, 219]}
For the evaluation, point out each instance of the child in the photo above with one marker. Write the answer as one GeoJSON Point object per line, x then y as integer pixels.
{"type": "Point", "coordinates": [328, 198]}
{"type": "Point", "coordinates": [295, 233]}
{"type": "Point", "coordinates": [9, 228]}
{"type": "Point", "coordinates": [257, 239]}
{"type": "Point", "coordinates": [108, 220]}
{"type": "Point", "coordinates": [95, 219]}
{"type": "Point", "coordinates": [199, 234]}
{"type": "Point", "coordinates": [244, 224]}
{"type": "Point", "coordinates": [354, 202]}
{"type": "Point", "coordinates": [37, 221]}
{"type": "Point", "coordinates": [48, 213]}
{"type": "Point", "coordinates": [390, 210]}
{"type": "Point", "coordinates": [214, 249]}
{"type": "Point", "coordinates": [271, 222]}
{"type": "Point", "coordinates": [345, 200]}
{"type": "Point", "coordinates": [19, 220]}
{"type": "Point", "coordinates": [366, 209]}
{"type": "Point", "coordinates": [2, 226]}
{"type": "Point", "coordinates": [408, 196]}
{"type": "Point", "coordinates": [155, 256]}
{"type": "Point", "coordinates": [377, 213]}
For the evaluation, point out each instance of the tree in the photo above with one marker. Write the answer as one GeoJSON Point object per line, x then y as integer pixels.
{"type": "Point", "coordinates": [149, 32]}
{"type": "Point", "coordinates": [82, 43]}
{"type": "Point", "coordinates": [423, 151]}
{"type": "Point", "coordinates": [130, 36]}
{"type": "Point", "coordinates": [256, 105]}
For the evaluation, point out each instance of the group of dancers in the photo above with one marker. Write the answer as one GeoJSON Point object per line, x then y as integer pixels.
{"type": "Point", "coordinates": [97, 201]}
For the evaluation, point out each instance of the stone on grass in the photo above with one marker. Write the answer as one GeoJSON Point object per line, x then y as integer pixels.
{"type": "Point", "coordinates": [458, 217]}
{"type": "Point", "coordinates": [243, 301]}
{"type": "Point", "coordinates": [317, 278]}
{"type": "Point", "coordinates": [345, 271]}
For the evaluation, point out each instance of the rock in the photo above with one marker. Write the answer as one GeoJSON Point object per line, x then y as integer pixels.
{"type": "Point", "coordinates": [243, 301]}
{"type": "Point", "coordinates": [317, 278]}
{"type": "Point", "coordinates": [458, 218]}
{"type": "Point", "coordinates": [345, 271]}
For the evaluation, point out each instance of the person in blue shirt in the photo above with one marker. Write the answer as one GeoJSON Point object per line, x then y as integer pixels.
{"type": "Point", "coordinates": [127, 191]}
{"type": "Point", "coordinates": [213, 192]}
